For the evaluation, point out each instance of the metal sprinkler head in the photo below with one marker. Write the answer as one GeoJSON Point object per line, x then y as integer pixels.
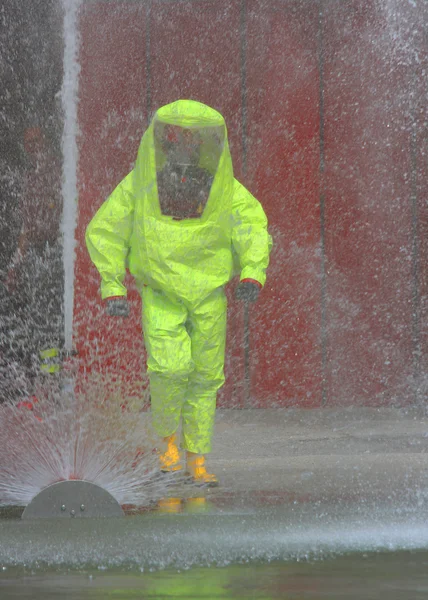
{"type": "Point", "coordinates": [73, 499]}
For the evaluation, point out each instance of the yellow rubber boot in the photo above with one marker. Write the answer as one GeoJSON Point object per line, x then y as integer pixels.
{"type": "Point", "coordinates": [197, 471]}
{"type": "Point", "coordinates": [170, 460]}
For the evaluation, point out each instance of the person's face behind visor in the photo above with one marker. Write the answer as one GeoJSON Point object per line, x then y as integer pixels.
{"type": "Point", "coordinates": [182, 147]}
{"type": "Point", "coordinates": [187, 161]}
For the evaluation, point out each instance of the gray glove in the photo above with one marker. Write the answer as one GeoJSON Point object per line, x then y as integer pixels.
{"type": "Point", "coordinates": [247, 291]}
{"type": "Point", "coordinates": [117, 307]}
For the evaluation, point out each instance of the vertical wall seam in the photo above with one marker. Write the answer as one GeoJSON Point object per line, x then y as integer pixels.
{"type": "Point", "coordinates": [321, 64]}
{"type": "Point", "coordinates": [246, 324]}
{"type": "Point", "coordinates": [148, 64]}
{"type": "Point", "coordinates": [416, 328]}
{"type": "Point", "coordinates": [244, 83]}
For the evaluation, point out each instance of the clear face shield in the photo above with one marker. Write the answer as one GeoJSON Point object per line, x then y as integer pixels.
{"type": "Point", "coordinates": [182, 147]}
{"type": "Point", "coordinates": [187, 160]}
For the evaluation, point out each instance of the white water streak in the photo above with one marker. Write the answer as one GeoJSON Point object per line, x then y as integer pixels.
{"type": "Point", "coordinates": [69, 95]}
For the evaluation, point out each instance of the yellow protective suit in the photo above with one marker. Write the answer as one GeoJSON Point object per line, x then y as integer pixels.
{"type": "Point", "coordinates": [181, 268]}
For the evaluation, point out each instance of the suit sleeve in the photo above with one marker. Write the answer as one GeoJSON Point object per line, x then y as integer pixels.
{"type": "Point", "coordinates": [108, 236]}
{"type": "Point", "coordinates": [250, 238]}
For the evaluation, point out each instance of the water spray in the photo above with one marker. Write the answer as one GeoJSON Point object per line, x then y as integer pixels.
{"type": "Point", "coordinates": [69, 95]}
{"type": "Point", "coordinates": [78, 498]}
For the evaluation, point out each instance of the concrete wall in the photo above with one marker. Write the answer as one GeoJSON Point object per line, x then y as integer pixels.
{"type": "Point", "coordinates": [326, 105]}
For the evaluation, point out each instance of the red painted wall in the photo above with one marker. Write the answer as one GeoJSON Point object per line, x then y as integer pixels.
{"type": "Point", "coordinates": [283, 171]}
{"type": "Point", "coordinates": [368, 208]}
{"type": "Point", "coordinates": [326, 109]}
{"type": "Point", "coordinates": [112, 119]}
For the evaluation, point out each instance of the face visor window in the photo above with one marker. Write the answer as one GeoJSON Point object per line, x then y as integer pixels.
{"type": "Point", "coordinates": [187, 161]}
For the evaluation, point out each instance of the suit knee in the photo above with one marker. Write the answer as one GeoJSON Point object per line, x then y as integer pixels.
{"type": "Point", "coordinates": [171, 371]}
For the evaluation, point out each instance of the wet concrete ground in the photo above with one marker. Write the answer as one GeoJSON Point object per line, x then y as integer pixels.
{"type": "Point", "coordinates": [321, 454]}
{"type": "Point", "coordinates": [280, 456]}
{"type": "Point", "coordinates": [400, 576]}
{"type": "Point", "coordinates": [307, 498]}
{"type": "Point", "coordinates": [273, 456]}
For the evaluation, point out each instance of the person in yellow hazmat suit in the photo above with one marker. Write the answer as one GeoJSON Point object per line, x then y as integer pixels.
{"type": "Point", "coordinates": [184, 226]}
